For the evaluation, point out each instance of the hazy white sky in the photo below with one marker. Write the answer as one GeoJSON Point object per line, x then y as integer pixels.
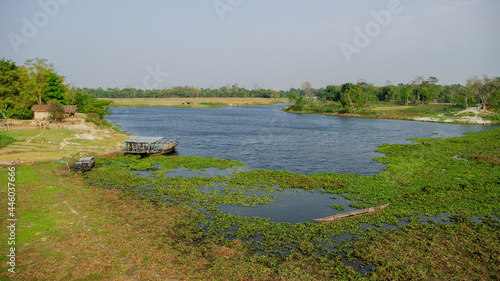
{"type": "Point", "coordinates": [275, 44]}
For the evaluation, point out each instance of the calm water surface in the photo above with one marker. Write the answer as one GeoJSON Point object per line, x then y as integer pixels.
{"type": "Point", "coordinates": [264, 137]}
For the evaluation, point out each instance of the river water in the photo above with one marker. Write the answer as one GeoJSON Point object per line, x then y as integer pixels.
{"type": "Point", "coordinates": [264, 137]}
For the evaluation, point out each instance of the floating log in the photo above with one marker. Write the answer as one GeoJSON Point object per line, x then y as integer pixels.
{"type": "Point", "coordinates": [352, 215]}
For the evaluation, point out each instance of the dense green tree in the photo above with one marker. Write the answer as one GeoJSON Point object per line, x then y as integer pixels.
{"type": "Point", "coordinates": [405, 95]}
{"type": "Point", "coordinates": [348, 94]}
{"type": "Point", "coordinates": [424, 94]}
{"type": "Point", "coordinates": [387, 93]}
{"type": "Point", "coordinates": [9, 86]}
{"type": "Point", "coordinates": [91, 105]}
{"type": "Point", "coordinates": [332, 93]}
{"type": "Point", "coordinates": [56, 90]}
{"type": "Point", "coordinates": [15, 101]}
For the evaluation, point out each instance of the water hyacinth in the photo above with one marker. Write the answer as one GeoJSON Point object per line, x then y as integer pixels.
{"type": "Point", "coordinates": [419, 180]}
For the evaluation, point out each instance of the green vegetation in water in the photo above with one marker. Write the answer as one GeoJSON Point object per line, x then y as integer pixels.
{"type": "Point", "coordinates": [419, 180]}
{"type": "Point", "coordinates": [337, 207]}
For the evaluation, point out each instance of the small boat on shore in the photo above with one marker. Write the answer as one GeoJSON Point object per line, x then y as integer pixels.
{"type": "Point", "coordinates": [352, 215]}
{"type": "Point", "coordinates": [149, 146]}
{"type": "Point", "coordinates": [84, 164]}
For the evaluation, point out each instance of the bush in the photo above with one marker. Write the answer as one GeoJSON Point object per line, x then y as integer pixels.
{"type": "Point", "coordinates": [96, 119]}
{"type": "Point", "coordinates": [465, 114]}
{"type": "Point", "coordinates": [5, 140]}
{"type": "Point", "coordinates": [368, 112]}
{"type": "Point", "coordinates": [430, 109]}
{"type": "Point", "coordinates": [492, 117]}
{"type": "Point", "coordinates": [345, 110]}
{"type": "Point", "coordinates": [18, 114]}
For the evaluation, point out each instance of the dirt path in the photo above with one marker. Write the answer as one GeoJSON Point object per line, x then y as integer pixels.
{"type": "Point", "coordinates": [30, 139]}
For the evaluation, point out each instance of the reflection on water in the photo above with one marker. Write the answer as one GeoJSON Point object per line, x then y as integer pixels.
{"type": "Point", "coordinates": [293, 205]}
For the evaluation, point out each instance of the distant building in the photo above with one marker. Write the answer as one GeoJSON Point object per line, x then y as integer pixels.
{"type": "Point", "coordinates": [41, 111]}
{"type": "Point", "coordinates": [70, 110]}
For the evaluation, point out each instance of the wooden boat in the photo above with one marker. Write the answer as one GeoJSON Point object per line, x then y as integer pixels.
{"type": "Point", "coordinates": [352, 215]}
{"type": "Point", "coordinates": [149, 146]}
{"type": "Point", "coordinates": [85, 164]}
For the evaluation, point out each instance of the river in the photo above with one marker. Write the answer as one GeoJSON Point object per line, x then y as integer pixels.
{"type": "Point", "coordinates": [264, 137]}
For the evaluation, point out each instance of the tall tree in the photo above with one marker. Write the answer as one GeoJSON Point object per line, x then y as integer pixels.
{"type": "Point", "coordinates": [488, 87]}
{"type": "Point", "coordinates": [13, 100]}
{"type": "Point", "coordinates": [39, 75]}
{"type": "Point", "coordinates": [308, 90]}
{"type": "Point", "coordinates": [405, 95]}
{"type": "Point", "coordinates": [349, 95]}
{"type": "Point", "coordinates": [9, 86]}
{"type": "Point", "coordinates": [466, 94]}
{"type": "Point", "coordinates": [424, 94]}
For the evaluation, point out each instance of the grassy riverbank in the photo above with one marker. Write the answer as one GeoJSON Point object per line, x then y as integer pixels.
{"type": "Point", "coordinates": [445, 113]}
{"type": "Point", "coordinates": [80, 137]}
{"type": "Point", "coordinates": [193, 102]}
{"type": "Point", "coordinates": [97, 227]}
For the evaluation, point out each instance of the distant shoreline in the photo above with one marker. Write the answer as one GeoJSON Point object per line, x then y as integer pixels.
{"type": "Point", "coordinates": [463, 117]}
{"type": "Point", "coordinates": [193, 102]}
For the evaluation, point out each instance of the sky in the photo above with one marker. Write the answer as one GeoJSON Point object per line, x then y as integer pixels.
{"type": "Point", "coordinates": [253, 43]}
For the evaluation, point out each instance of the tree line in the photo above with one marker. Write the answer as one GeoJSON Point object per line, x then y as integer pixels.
{"type": "Point", "coordinates": [37, 82]}
{"type": "Point", "coordinates": [186, 92]}
{"type": "Point", "coordinates": [483, 90]}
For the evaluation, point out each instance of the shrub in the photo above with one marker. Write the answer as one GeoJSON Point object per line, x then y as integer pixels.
{"type": "Point", "coordinates": [5, 140]}
{"type": "Point", "coordinates": [492, 117]}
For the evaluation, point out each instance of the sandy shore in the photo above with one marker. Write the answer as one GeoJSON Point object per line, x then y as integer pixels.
{"type": "Point", "coordinates": [457, 118]}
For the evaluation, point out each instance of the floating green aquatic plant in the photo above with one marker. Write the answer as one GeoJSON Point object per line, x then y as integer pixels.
{"type": "Point", "coordinates": [420, 179]}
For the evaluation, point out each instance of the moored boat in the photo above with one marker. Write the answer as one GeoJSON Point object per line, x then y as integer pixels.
{"type": "Point", "coordinates": [85, 164]}
{"type": "Point", "coordinates": [352, 215]}
{"type": "Point", "coordinates": [149, 146]}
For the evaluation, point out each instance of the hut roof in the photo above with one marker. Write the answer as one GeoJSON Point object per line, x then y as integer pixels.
{"type": "Point", "coordinates": [144, 139]}
{"type": "Point", "coordinates": [40, 108]}
{"type": "Point", "coordinates": [70, 108]}
{"type": "Point", "coordinates": [46, 108]}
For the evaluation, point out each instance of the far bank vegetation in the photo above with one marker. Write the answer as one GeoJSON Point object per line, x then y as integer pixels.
{"type": "Point", "coordinates": [418, 97]}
